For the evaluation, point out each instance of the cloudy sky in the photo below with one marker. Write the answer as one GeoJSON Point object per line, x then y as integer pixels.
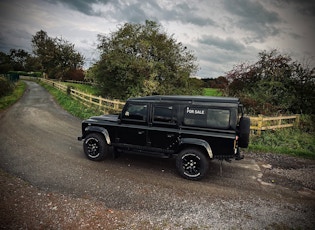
{"type": "Point", "coordinates": [221, 33]}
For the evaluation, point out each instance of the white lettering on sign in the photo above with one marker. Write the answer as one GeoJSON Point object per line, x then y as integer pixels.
{"type": "Point", "coordinates": [195, 111]}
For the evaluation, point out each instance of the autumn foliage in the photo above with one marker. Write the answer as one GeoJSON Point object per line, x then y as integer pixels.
{"type": "Point", "coordinates": [274, 84]}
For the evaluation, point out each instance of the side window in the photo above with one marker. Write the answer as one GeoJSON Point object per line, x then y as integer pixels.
{"type": "Point", "coordinates": [135, 112]}
{"type": "Point", "coordinates": [195, 116]}
{"type": "Point", "coordinates": [163, 114]}
{"type": "Point", "coordinates": [218, 118]}
{"type": "Point", "coordinates": [205, 117]}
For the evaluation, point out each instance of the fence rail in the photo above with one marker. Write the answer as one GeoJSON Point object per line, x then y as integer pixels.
{"type": "Point", "coordinates": [257, 125]}
{"type": "Point", "coordinates": [261, 123]}
{"type": "Point", "coordinates": [88, 99]}
{"type": "Point", "coordinates": [80, 82]}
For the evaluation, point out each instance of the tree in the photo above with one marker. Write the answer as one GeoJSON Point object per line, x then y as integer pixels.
{"type": "Point", "coordinates": [58, 57]}
{"type": "Point", "coordinates": [217, 83]}
{"type": "Point", "coordinates": [5, 63]}
{"type": "Point", "coordinates": [140, 60]}
{"type": "Point", "coordinates": [18, 60]}
{"type": "Point", "coordinates": [304, 83]}
{"type": "Point", "coordinates": [44, 48]}
{"type": "Point", "coordinates": [272, 84]}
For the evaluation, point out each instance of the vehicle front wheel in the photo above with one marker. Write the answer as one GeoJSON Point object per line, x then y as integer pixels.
{"type": "Point", "coordinates": [95, 147]}
{"type": "Point", "coordinates": [192, 164]}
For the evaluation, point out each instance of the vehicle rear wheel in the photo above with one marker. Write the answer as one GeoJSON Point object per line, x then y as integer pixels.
{"type": "Point", "coordinates": [95, 147]}
{"type": "Point", "coordinates": [192, 164]}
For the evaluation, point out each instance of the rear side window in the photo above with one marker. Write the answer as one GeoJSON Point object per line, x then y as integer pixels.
{"type": "Point", "coordinates": [207, 117]}
{"type": "Point", "coordinates": [136, 112]}
{"type": "Point", "coordinates": [163, 114]}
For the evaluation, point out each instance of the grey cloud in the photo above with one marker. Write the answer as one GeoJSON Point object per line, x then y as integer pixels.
{"type": "Point", "coordinates": [309, 10]}
{"type": "Point", "coordinates": [304, 7]}
{"type": "Point", "coordinates": [139, 11]}
{"type": "Point", "coordinates": [225, 44]}
{"type": "Point", "coordinates": [15, 39]}
{"type": "Point", "coordinates": [186, 13]}
{"type": "Point", "coordinates": [132, 13]}
{"type": "Point", "coordinates": [253, 17]}
{"type": "Point", "coordinates": [84, 6]}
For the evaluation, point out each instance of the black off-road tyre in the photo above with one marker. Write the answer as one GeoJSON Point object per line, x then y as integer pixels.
{"type": "Point", "coordinates": [95, 147]}
{"type": "Point", "coordinates": [243, 140]}
{"type": "Point", "coordinates": [192, 164]}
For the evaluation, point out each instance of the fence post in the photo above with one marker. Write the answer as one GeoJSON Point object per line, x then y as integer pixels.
{"type": "Point", "coordinates": [297, 120]}
{"type": "Point", "coordinates": [115, 105]}
{"type": "Point", "coordinates": [259, 124]}
{"type": "Point", "coordinates": [100, 103]}
{"type": "Point", "coordinates": [280, 120]}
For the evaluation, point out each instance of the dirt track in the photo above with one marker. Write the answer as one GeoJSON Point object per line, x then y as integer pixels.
{"type": "Point", "coordinates": [60, 189]}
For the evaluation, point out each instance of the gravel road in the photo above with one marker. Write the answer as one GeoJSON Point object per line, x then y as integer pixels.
{"type": "Point", "coordinates": [47, 183]}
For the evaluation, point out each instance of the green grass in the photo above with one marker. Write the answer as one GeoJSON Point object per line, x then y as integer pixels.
{"type": "Point", "coordinates": [291, 141]}
{"type": "Point", "coordinates": [71, 105]}
{"type": "Point", "coordinates": [83, 88]}
{"type": "Point", "coordinates": [211, 92]}
{"type": "Point", "coordinates": [9, 100]}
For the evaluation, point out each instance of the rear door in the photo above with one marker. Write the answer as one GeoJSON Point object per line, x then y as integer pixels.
{"type": "Point", "coordinates": [163, 129]}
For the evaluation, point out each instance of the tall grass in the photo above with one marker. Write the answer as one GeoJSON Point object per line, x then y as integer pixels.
{"type": "Point", "coordinates": [292, 141]}
{"type": "Point", "coordinates": [83, 88]}
{"type": "Point", "coordinates": [15, 95]}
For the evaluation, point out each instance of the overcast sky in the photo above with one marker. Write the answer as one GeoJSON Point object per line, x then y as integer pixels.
{"type": "Point", "coordinates": [221, 33]}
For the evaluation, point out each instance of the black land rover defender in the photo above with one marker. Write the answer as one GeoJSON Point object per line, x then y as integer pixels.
{"type": "Point", "coordinates": [194, 129]}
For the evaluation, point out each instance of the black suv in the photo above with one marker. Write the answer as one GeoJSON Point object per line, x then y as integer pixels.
{"type": "Point", "coordinates": [194, 129]}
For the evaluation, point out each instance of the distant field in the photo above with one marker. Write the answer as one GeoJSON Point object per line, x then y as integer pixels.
{"type": "Point", "coordinates": [211, 92]}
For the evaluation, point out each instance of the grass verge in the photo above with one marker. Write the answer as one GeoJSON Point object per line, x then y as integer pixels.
{"type": "Point", "coordinates": [71, 105]}
{"type": "Point", "coordinates": [83, 88]}
{"type": "Point", "coordinates": [9, 100]}
{"type": "Point", "coordinates": [291, 141]}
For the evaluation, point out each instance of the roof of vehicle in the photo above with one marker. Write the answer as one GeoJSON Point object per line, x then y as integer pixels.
{"type": "Point", "coordinates": [189, 99]}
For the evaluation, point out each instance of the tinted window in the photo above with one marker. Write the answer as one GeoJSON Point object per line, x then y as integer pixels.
{"type": "Point", "coordinates": [218, 118]}
{"type": "Point", "coordinates": [204, 117]}
{"type": "Point", "coordinates": [135, 112]}
{"type": "Point", "coordinates": [163, 114]}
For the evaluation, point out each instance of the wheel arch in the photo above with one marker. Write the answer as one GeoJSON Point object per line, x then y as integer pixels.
{"type": "Point", "coordinates": [97, 129]}
{"type": "Point", "coordinates": [194, 142]}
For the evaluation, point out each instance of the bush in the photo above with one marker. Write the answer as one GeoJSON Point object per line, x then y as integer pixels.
{"type": "Point", "coordinates": [6, 87]}
{"type": "Point", "coordinates": [307, 123]}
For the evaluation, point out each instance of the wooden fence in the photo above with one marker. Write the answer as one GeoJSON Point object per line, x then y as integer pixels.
{"type": "Point", "coordinates": [257, 125]}
{"type": "Point", "coordinates": [80, 82]}
{"type": "Point", "coordinates": [89, 100]}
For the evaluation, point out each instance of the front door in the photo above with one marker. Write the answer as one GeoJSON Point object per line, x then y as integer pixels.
{"type": "Point", "coordinates": [133, 130]}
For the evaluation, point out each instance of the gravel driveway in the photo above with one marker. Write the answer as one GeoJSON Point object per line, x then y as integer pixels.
{"type": "Point", "coordinates": [47, 183]}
